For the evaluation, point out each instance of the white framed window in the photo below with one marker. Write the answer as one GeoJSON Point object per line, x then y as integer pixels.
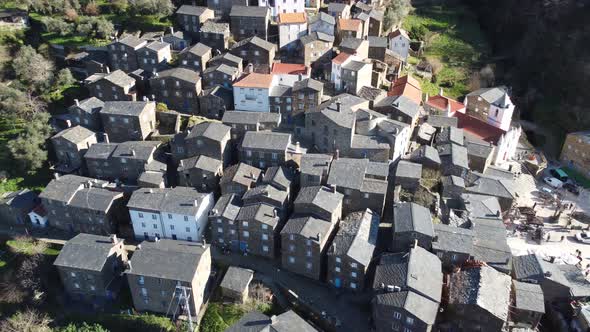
{"type": "Point", "coordinates": [337, 269]}
{"type": "Point", "coordinates": [265, 248]}
{"type": "Point", "coordinates": [245, 223]}
{"type": "Point", "coordinates": [140, 215]}
{"type": "Point", "coordinates": [308, 265]}
{"type": "Point", "coordinates": [291, 259]}
{"type": "Point", "coordinates": [397, 315]}
{"type": "Point", "coordinates": [338, 260]}
{"type": "Point", "coordinates": [353, 285]}
{"type": "Point", "coordinates": [409, 320]}
{"type": "Point", "coordinates": [219, 230]}
{"type": "Point", "coordinates": [246, 234]}
{"type": "Point", "coordinates": [264, 237]}
{"type": "Point", "coordinates": [264, 226]}
{"type": "Point", "coordinates": [185, 218]}
{"type": "Point", "coordinates": [353, 274]}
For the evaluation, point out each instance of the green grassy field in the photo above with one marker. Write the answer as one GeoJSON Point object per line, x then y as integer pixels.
{"type": "Point", "coordinates": [454, 38]}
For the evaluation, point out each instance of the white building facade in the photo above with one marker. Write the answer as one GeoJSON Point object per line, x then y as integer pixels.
{"type": "Point", "coordinates": [291, 28]}
{"type": "Point", "coordinates": [283, 6]}
{"type": "Point", "coordinates": [251, 93]}
{"type": "Point", "coordinates": [399, 42]}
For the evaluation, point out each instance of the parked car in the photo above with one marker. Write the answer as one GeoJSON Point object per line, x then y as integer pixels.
{"type": "Point", "coordinates": [559, 174]}
{"type": "Point", "coordinates": [583, 237]}
{"type": "Point", "coordinates": [572, 188]}
{"type": "Point", "coordinates": [553, 182]}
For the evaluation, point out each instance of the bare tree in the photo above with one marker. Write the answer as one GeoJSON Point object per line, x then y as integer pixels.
{"type": "Point", "coordinates": [27, 321]}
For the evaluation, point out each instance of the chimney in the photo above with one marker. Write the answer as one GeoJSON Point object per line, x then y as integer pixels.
{"type": "Point", "coordinates": [56, 175]}
{"type": "Point", "coordinates": [498, 214]}
{"type": "Point", "coordinates": [68, 123]}
{"type": "Point", "coordinates": [77, 102]}
{"type": "Point", "coordinates": [133, 152]}
{"type": "Point", "coordinates": [448, 107]}
{"type": "Point", "coordinates": [300, 77]}
{"type": "Point", "coordinates": [252, 176]}
{"type": "Point", "coordinates": [182, 163]}
{"type": "Point", "coordinates": [415, 243]}
{"type": "Point", "coordinates": [319, 237]}
{"type": "Point", "coordinates": [338, 106]}
{"type": "Point", "coordinates": [426, 97]}
{"type": "Point", "coordinates": [274, 213]}
{"type": "Point", "coordinates": [203, 243]}
{"type": "Point", "coordinates": [297, 146]}
{"type": "Point", "coordinates": [336, 154]}
{"type": "Point", "coordinates": [151, 191]}
{"type": "Point", "coordinates": [145, 98]}
{"type": "Point", "coordinates": [273, 319]}
{"type": "Point", "coordinates": [105, 137]}
{"type": "Point", "coordinates": [156, 239]}
{"type": "Point", "coordinates": [161, 39]}
{"type": "Point", "coordinates": [171, 30]}
{"type": "Point", "coordinates": [196, 202]}
{"type": "Point", "coordinates": [108, 70]}
{"type": "Point", "coordinates": [334, 187]}
{"type": "Point", "coordinates": [114, 238]}
{"type": "Point", "coordinates": [440, 92]}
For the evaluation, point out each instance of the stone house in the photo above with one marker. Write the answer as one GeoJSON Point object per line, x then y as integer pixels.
{"type": "Point", "coordinates": [16, 206]}
{"type": "Point", "coordinates": [355, 75]}
{"type": "Point", "coordinates": [249, 21]}
{"type": "Point", "coordinates": [339, 10]}
{"type": "Point", "coordinates": [162, 273]}
{"type": "Point", "coordinates": [411, 223]}
{"type": "Point", "coordinates": [215, 35]}
{"type": "Point", "coordinates": [258, 230]}
{"type": "Point", "coordinates": [307, 95]}
{"type": "Point", "coordinates": [222, 221]}
{"type": "Point", "coordinates": [323, 23]}
{"type": "Point", "coordinates": [222, 75]}
{"type": "Point", "coordinates": [355, 46]}
{"type": "Point", "coordinates": [375, 22]}
{"type": "Point", "coordinates": [400, 108]}
{"type": "Point", "coordinates": [264, 149]}
{"type": "Point", "coordinates": [123, 53]}
{"type": "Point", "coordinates": [479, 153]}
{"type": "Point", "coordinates": [115, 86]}
{"type": "Point", "coordinates": [90, 267]}
{"type": "Point", "coordinates": [178, 40]}
{"type": "Point", "coordinates": [214, 102]}
{"type": "Point", "coordinates": [200, 172]}
{"type": "Point", "coordinates": [362, 182]}
{"type": "Point", "coordinates": [280, 100]}
{"type": "Point", "coordinates": [576, 152]}
{"type": "Point", "coordinates": [316, 50]}
{"type": "Point", "coordinates": [125, 161]}
{"type": "Point", "coordinates": [466, 305]}
{"type": "Point", "coordinates": [86, 113]}
{"type": "Point", "coordinates": [190, 18]}
{"type": "Point", "coordinates": [256, 51]}
{"type": "Point", "coordinates": [128, 120]}
{"type": "Point", "coordinates": [453, 245]}
{"type": "Point", "coordinates": [82, 205]}
{"type": "Point", "coordinates": [377, 47]}
{"type": "Point", "coordinates": [364, 18]}
{"type": "Point", "coordinates": [227, 59]}
{"type": "Point", "coordinates": [352, 249]}
{"type": "Point", "coordinates": [408, 175]}
{"type": "Point", "coordinates": [237, 179]}
{"type": "Point", "coordinates": [195, 57]}
{"type": "Point", "coordinates": [490, 105]}
{"type": "Point", "coordinates": [527, 305]}
{"type": "Point", "coordinates": [314, 168]}
{"type": "Point", "coordinates": [454, 160]}
{"type": "Point", "coordinates": [304, 243]}
{"type": "Point", "coordinates": [320, 202]}
{"type": "Point", "coordinates": [70, 145]}
{"type": "Point", "coordinates": [235, 283]}
{"type": "Point", "coordinates": [222, 8]}
{"type": "Point", "coordinates": [178, 213]}
{"type": "Point", "coordinates": [178, 88]}
{"type": "Point", "coordinates": [243, 121]}
{"type": "Point", "coordinates": [206, 138]}
{"type": "Point", "coordinates": [407, 291]}
{"type": "Point", "coordinates": [349, 28]}
{"type": "Point", "coordinates": [154, 56]}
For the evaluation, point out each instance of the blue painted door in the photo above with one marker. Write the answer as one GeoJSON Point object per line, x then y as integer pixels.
{"type": "Point", "coordinates": [243, 246]}
{"type": "Point", "coordinates": [337, 282]}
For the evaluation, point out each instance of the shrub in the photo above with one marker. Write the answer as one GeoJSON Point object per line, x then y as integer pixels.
{"type": "Point", "coordinates": [91, 9]}
{"type": "Point", "coordinates": [418, 32]}
{"type": "Point", "coordinates": [71, 15]}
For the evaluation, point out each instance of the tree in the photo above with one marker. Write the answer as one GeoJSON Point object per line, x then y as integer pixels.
{"type": "Point", "coordinates": [91, 9]}
{"type": "Point", "coordinates": [32, 68]}
{"type": "Point", "coordinates": [84, 327]}
{"type": "Point", "coordinates": [63, 78]}
{"type": "Point", "coordinates": [120, 6]}
{"type": "Point", "coordinates": [71, 15]}
{"type": "Point", "coordinates": [57, 25]}
{"type": "Point", "coordinates": [97, 27]}
{"type": "Point", "coordinates": [395, 12]}
{"type": "Point", "coordinates": [18, 104]}
{"type": "Point", "coordinates": [27, 321]}
{"type": "Point", "coordinates": [28, 148]}
{"type": "Point", "coordinates": [151, 7]}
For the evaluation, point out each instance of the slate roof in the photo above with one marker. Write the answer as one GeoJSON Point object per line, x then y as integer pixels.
{"type": "Point", "coordinates": [354, 65]}
{"type": "Point", "coordinates": [453, 239]}
{"type": "Point", "coordinates": [350, 173]}
{"type": "Point", "coordinates": [242, 174]}
{"type": "Point", "coordinates": [479, 148]}
{"type": "Point", "coordinates": [491, 186]}
{"type": "Point", "coordinates": [64, 187]}
{"type": "Point", "coordinates": [402, 103]}
{"type": "Point", "coordinates": [212, 130]}
{"type": "Point", "coordinates": [308, 83]}
{"type": "Point", "coordinates": [156, 45]}
{"type": "Point", "coordinates": [495, 95]}
{"type": "Point", "coordinates": [237, 279]}
{"type": "Point", "coordinates": [425, 153]}
{"type": "Point", "coordinates": [528, 297]}
{"type": "Point", "coordinates": [191, 10]}
{"type": "Point", "coordinates": [201, 162]}
{"type": "Point", "coordinates": [289, 321]}
{"type": "Point", "coordinates": [90, 105]}
{"type": "Point", "coordinates": [450, 135]}
{"type": "Point", "coordinates": [439, 121]}
{"type": "Point", "coordinates": [117, 77]}
{"type": "Point", "coordinates": [481, 205]}
{"type": "Point", "coordinates": [248, 11]}
{"type": "Point", "coordinates": [75, 134]}
{"type": "Point", "coordinates": [371, 93]}
{"type": "Point", "coordinates": [260, 212]}
{"type": "Point", "coordinates": [215, 27]}
{"type": "Point", "coordinates": [351, 43]}
{"type": "Point", "coordinates": [323, 17]}
{"type": "Point", "coordinates": [200, 49]}
{"type": "Point", "coordinates": [376, 41]}
{"type": "Point", "coordinates": [70, 189]}
{"type": "Point", "coordinates": [180, 73]}
{"type": "Point", "coordinates": [263, 192]}
{"type": "Point", "coordinates": [454, 154]}
{"type": "Point", "coordinates": [423, 308]}
{"type": "Point", "coordinates": [20, 199]}
{"type": "Point", "coordinates": [406, 169]}
{"type": "Point", "coordinates": [483, 287]}
{"type": "Point", "coordinates": [179, 200]}
{"type": "Point", "coordinates": [527, 267]}
{"type": "Point", "coordinates": [247, 117]}
{"type": "Point", "coordinates": [418, 270]}
{"type": "Point", "coordinates": [357, 237]}
{"type": "Point", "coordinates": [223, 68]}
{"type": "Point", "coordinates": [411, 217]}
{"type": "Point", "coordinates": [95, 199]}
{"type": "Point", "coordinates": [263, 140]}
{"type": "Point", "coordinates": [128, 108]}
{"type": "Point", "coordinates": [345, 117]}
{"type": "Point", "coordinates": [308, 227]}
{"type": "Point", "coordinates": [322, 197]}
{"type": "Point", "coordinates": [316, 35]}
{"type": "Point", "coordinates": [490, 244]}
{"type": "Point", "coordinates": [167, 259]}
{"type": "Point", "coordinates": [255, 40]}
{"type": "Point", "coordinates": [278, 176]}
{"type": "Point", "coordinates": [251, 322]}
{"type": "Point", "coordinates": [86, 252]}
{"type": "Point", "coordinates": [227, 206]}
{"type": "Point", "coordinates": [227, 57]}
{"type": "Point", "coordinates": [337, 7]}
{"type": "Point", "coordinates": [137, 150]}
{"type": "Point", "coordinates": [315, 164]}
{"type": "Point", "coordinates": [132, 41]}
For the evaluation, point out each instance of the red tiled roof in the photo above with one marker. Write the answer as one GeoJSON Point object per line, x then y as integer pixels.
{"type": "Point", "coordinates": [398, 32]}
{"type": "Point", "coordinates": [290, 18]}
{"type": "Point", "coordinates": [289, 68]}
{"type": "Point", "coordinates": [407, 86]}
{"type": "Point", "coordinates": [254, 80]}
{"type": "Point", "coordinates": [340, 58]}
{"type": "Point", "coordinates": [478, 128]}
{"type": "Point", "coordinates": [349, 24]}
{"type": "Point", "coordinates": [441, 103]}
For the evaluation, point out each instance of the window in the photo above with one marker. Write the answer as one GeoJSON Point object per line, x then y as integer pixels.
{"type": "Point", "coordinates": [248, 153]}
{"type": "Point", "coordinates": [291, 247]}
{"type": "Point", "coordinates": [410, 320]}
{"type": "Point", "coordinates": [141, 280]}
{"type": "Point", "coordinates": [366, 195]}
{"type": "Point", "coordinates": [144, 292]}
{"type": "Point", "coordinates": [245, 223]}
{"type": "Point", "coordinates": [337, 269]}
{"type": "Point", "coordinates": [169, 216]}
{"type": "Point", "coordinates": [189, 238]}
{"type": "Point", "coordinates": [188, 229]}
{"type": "Point", "coordinates": [143, 225]}
{"type": "Point", "coordinates": [395, 326]}
{"type": "Point", "coordinates": [219, 220]}
{"type": "Point", "coordinates": [308, 242]}
{"type": "Point", "coordinates": [308, 265]}
{"type": "Point", "coordinates": [264, 237]}
{"type": "Point", "coordinates": [265, 248]}
{"type": "Point", "coordinates": [338, 259]}
{"type": "Point", "coordinates": [172, 227]}
{"type": "Point", "coordinates": [308, 253]}
{"type": "Point", "coordinates": [291, 237]}
{"type": "Point", "coordinates": [264, 226]}
{"type": "Point", "coordinates": [219, 230]}
{"type": "Point", "coordinates": [353, 265]}
{"type": "Point", "coordinates": [73, 274]}
{"type": "Point", "coordinates": [353, 285]}
{"type": "Point", "coordinates": [155, 226]}
{"type": "Point", "coordinates": [92, 288]}
{"type": "Point", "coordinates": [154, 216]}
{"type": "Point", "coordinates": [353, 274]}
{"type": "Point", "coordinates": [275, 156]}
{"type": "Point", "coordinates": [185, 218]}
{"type": "Point", "coordinates": [76, 285]}
{"type": "Point", "coordinates": [397, 315]}
{"type": "Point", "coordinates": [291, 259]}
{"type": "Point", "coordinates": [246, 234]}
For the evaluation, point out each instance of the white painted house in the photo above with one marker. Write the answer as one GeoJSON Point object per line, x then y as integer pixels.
{"type": "Point", "coordinates": [179, 213]}
{"type": "Point", "coordinates": [251, 93]}
{"type": "Point", "coordinates": [399, 42]}
{"type": "Point", "coordinates": [283, 6]}
{"type": "Point", "coordinates": [38, 216]}
{"type": "Point", "coordinates": [292, 26]}
{"type": "Point", "coordinates": [337, 63]}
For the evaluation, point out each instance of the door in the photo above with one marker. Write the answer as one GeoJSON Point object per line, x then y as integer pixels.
{"type": "Point", "coordinates": [243, 246]}
{"type": "Point", "coordinates": [182, 45]}
{"type": "Point", "coordinates": [337, 282]}
{"type": "Point", "coordinates": [173, 236]}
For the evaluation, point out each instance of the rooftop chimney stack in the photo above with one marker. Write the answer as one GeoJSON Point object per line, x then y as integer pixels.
{"type": "Point", "coordinates": [108, 70]}
{"type": "Point", "coordinates": [68, 123]}
{"type": "Point", "coordinates": [56, 175]}
{"type": "Point", "coordinates": [336, 154]}
{"type": "Point", "coordinates": [105, 138]}
{"type": "Point", "coordinates": [114, 238]}
{"type": "Point", "coordinates": [274, 213]}
{"type": "Point", "coordinates": [77, 101]}
{"type": "Point", "coordinates": [133, 152]}
{"type": "Point", "coordinates": [196, 202]}
{"type": "Point", "coordinates": [171, 30]}
{"type": "Point", "coordinates": [338, 106]}
{"type": "Point", "coordinates": [440, 92]}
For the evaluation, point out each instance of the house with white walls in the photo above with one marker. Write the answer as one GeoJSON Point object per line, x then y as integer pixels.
{"type": "Point", "coordinates": [283, 6]}
{"type": "Point", "coordinates": [38, 216]}
{"type": "Point", "coordinates": [399, 43]}
{"type": "Point", "coordinates": [491, 105]}
{"type": "Point", "coordinates": [179, 213]}
{"type": "Point", "coordinates": [252, 91]}
{"type": "Point", "coordinates": [336, 72]}
{"type": "Point", "coordinates": [292, 26]}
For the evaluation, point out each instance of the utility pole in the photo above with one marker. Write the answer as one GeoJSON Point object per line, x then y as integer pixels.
{"type": "Point", "coordinates": [185, 295]}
